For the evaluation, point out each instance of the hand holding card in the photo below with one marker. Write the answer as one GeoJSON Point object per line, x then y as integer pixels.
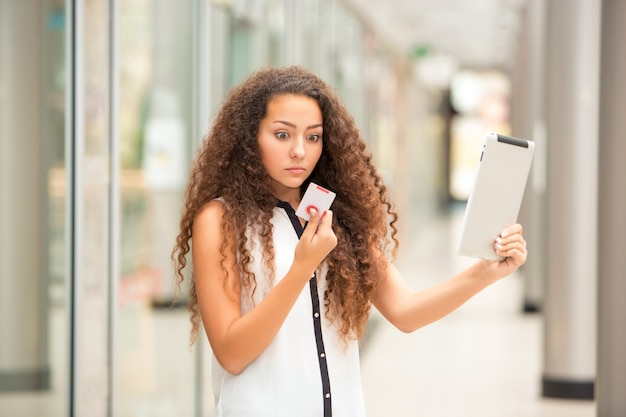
{"type": "Point", "coordinates": [316, 197]}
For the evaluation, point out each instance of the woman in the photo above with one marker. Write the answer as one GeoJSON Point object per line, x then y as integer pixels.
{"type": "Point", "coordinates": [284, 303]}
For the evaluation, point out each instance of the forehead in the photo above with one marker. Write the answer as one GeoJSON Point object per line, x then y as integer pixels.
{"type": "Point", "coordinates": [295, 105]}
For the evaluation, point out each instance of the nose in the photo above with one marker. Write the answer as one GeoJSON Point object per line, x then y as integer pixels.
{"type": "Point", "coordinates": [297, 148]}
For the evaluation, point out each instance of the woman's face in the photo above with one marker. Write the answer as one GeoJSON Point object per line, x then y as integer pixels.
{"type": "Point", "coordinates": [290, 140]}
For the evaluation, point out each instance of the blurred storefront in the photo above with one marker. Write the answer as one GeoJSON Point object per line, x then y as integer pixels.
{"type": "Point", "coordinates": [102, 105]}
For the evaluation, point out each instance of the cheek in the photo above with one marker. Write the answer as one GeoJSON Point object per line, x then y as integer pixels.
{"type": "Point", "coordinates": [265, 150]}
{"type": "Point", "coordinates": [269, 157]}
{"type": "Point", "coordinates": [318, 153]}
{"type": "Point", "coordinates": [266, 159]}
{"type": "Point", "coordinates": [270, 163]}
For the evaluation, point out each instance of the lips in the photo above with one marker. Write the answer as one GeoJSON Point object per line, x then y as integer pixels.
{"type": "Point", "coordinates": [296, 170]}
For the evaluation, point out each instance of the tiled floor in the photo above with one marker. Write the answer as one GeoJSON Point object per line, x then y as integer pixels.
{"type": "Point", "coordinates": [484, 360]}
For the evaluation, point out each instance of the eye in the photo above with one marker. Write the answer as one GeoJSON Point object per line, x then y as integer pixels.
{"type": "Point", "coordinates": [282, 135]}
{"type": "Point", "coordinates": [314, 137]}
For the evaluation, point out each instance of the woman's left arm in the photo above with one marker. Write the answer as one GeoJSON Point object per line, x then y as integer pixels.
{"type": "Point", "coordinates": [409, 310]}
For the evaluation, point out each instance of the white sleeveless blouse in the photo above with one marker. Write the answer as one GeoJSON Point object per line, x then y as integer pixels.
{"type": "Point", "coordinates": [285, 380]}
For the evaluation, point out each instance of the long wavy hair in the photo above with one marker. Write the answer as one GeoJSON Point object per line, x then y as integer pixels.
{"type": "Point", "coordinates": [228, 165]}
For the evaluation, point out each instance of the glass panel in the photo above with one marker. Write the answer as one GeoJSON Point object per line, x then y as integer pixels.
{"type": "Point", "coordinates": [153, 365]}
{"type": "Point", "coordinates": [91, 257]}
{"type": "Point", "coordinates": [34, 302]}
{"type": "Point", "coordinates": [254, 37]}
{"type": "Point", "coordinates": [347, 73]}
{"type": "Point", "coordinates": [218, 51]}
{"type": "Point", "coordinates": [275, 21]}
{"type": "Point", "coordinates": [312, 32]}
{"type": "Point", "coordinates": [481, 102]}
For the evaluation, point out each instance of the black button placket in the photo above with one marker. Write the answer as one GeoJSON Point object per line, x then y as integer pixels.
{"type": "Point", "coordinates": [317, 318]}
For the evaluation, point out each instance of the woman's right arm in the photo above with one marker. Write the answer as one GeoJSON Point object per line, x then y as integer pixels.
{"type": "Point", "coordinates": [238, 339]}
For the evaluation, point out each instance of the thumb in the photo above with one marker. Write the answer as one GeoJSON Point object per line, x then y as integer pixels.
{"type": "Point", "coordinates": [312, 224]}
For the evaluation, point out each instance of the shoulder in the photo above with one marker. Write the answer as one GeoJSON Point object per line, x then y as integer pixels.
{"type": "Point", "coordinates": [210, 213]}
{"type": "Point", "coordinates": [214, 208]}
{"type": "Point", "coordinates": [207, 224]}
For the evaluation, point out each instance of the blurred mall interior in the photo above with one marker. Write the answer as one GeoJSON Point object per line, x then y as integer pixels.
{"type": "Point", "coordinates": [104, 102]}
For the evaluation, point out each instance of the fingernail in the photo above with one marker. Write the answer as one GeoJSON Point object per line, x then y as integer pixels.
{"type": "Point", "coordinates": [498, 240]}
{"type": "Point", "coordinates": [504, 234]}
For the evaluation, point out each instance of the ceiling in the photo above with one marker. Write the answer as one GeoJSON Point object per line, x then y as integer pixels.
{"type": "Point", "coordinates": [472, 33]}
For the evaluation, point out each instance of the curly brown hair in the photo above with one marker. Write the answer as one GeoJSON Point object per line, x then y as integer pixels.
{"type": "Point", "coordinates": [228, 165]}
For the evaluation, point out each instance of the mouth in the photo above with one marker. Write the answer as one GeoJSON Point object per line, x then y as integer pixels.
{"type": "Point", "coordinates": [296, 170]}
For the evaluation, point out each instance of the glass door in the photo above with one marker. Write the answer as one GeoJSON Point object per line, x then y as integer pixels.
{"type": "Point", "coordinates": [157, 47]}
{"type": "Point", "coordinates": [35, 238]}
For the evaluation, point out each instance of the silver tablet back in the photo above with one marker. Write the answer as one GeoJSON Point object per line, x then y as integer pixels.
{"type": "Point", "coordinates": [497, 193]}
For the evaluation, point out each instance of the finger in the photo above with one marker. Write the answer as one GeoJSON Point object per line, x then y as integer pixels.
{"type": "Point", "coordinates": [327, 218]}
{"type": "Point", "coordinates": [510, 242]}
{"type": "Point", "coordinates": [514, 249]}
{"type": "Point", "coordinates": [313, 213]}
{"type": "Point", "coordinates": [312, 224]}
{"type": "Point", "coordinates": [515, 239]}
{"type": "Point", "coordinates": [514, 229]}
{"type": "Point", "coordinates": [517, 257]}
{"type": "Point", "coordinates": [326, 221]}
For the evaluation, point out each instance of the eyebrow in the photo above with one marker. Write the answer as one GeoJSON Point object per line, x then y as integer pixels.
{"type": "Point", "coordinates": [294, 126]}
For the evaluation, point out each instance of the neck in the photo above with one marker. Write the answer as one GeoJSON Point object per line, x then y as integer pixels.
{"type": "Point", "coordinates": [291, 196]}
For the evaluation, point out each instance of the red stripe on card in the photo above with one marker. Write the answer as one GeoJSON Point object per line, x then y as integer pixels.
{"type": "Point", "coordinates": [322, 189]}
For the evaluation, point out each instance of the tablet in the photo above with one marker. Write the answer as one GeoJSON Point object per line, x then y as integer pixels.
{"type": "Point", "coordinates": [496, 196]}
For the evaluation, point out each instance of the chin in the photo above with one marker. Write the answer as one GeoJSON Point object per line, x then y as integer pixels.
{"type": "Point", "coordinates": [288, 185]}
{"type": "Point", "coordinates": [293, 182]}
